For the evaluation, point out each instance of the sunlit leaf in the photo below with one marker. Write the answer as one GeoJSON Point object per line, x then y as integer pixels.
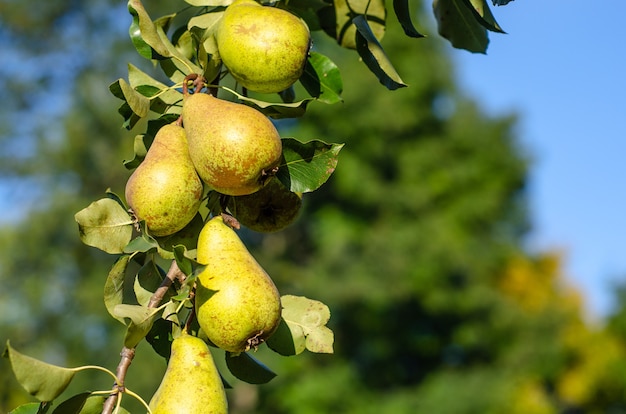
{"type": "Point", "coordinates": [247, 368]}
{"type": "Point", "coordinates": [136, 313]}
{"type": "Point", "coordinates": [114, 286]}
{"type": "Point", "coordinates": [139, 104]}
{"type": "Point", "coordinates": [305, 166]}
{"type": "Point", "coordinates": [306, 320]}
{"type": "Point", "coordinates": [141, 320]}
{"type": "Point", "coordinates": [105, 225]}
{"type": "Point", "coordinates": [403, 13]}
{"type": "Point", "coordinates": [483, 14]}
{"type": "Point", "coordinates": [456, 22]}
{"type": "Point", "coordinates": [322, 79]}
{"type": "Point", "coordinates": [143, 33]}
{"type": "Point", "coordinates": [41, 380]}
{"type": "Point", "coordinates": [207, 21]}
{"type": "Point", "coordinates": [374, 56]}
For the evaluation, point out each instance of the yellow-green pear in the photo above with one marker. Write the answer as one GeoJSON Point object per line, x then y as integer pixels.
{"type": "Point", "coordinates": [191, 384]}
{"type": "Point", "coordinates": [237, 303]}
{"type": "Point", "coordinates": [233, 147]}
{"type": "Point", "coordinates": [165, 189]}
{"type": "Point", "coordinates": [264, 48]}
{"type": "Point", "coordinates": [270, 209]}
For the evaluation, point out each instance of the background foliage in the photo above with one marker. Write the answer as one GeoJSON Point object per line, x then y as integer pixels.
{"type": "Point", "coordinates": [416, 242]}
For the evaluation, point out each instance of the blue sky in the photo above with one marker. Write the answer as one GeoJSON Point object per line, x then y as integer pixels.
{"type": "Point", "coordinates": [562, 67]}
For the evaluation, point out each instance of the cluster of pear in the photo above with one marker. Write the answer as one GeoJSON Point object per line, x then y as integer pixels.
{"type": "Point", "coordinates": [235, 150]}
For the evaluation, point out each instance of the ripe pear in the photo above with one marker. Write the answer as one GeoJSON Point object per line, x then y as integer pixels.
{"type": "Point", "coordinates": [264, 48]}
{"type": "Point", "coordinates": [234, 147]}
{"type": "Point", "coordinates": [165, 189]}
{"type": "Point", "coordinates": [270, 209]}
{"type": "Point", "coordinates": [237, 303]}
{"type": "Point", "coordinates": [191, 384]}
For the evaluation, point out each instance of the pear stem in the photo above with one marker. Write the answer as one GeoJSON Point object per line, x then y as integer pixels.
{"type": "Point", "coordinates": [127, 354]}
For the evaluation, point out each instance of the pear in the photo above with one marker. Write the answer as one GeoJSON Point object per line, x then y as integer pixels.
{"type": "Point", "coordinates": [234, 147]}
{"type": "Point", "coordinates": [237, 303]}
{"type": "Point", "coordinates": [270, 209]}
{"type": "Point", "coordinates": [165, 189]}
{"type": "Point", "coordinates": [191, 384]}
{"type": "Point", "coordinates": [264, 48]}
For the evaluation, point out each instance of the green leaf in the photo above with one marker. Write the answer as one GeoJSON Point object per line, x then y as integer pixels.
{"type": "Point", "coordinates": [307, 318]}
{"type": "Point", "coordinates": [143, 244]}
{"type": "Point", "coordinates": [139, 104]}
{"type": "Point", "coordinates": [374, 11]}
{"type": "Point", "coordinates": [75, 404]}
{"type": "Point", "coordinates": [483, 14]}
{"type": "Point", "coordinates": [163, 99]}
{"type": "Point", "coordinates": [136, 313]}
{"type": "Point", "coordinates": [207, 21]}
{"type": "Point", "coordinates": [148, 279]}
{"type": "Point", "coordinates": [141, 320]}
{"type": "Point", "coordinates": [305, 166]}
{"type": "Point", "coordinates": [403, 13]}
{"type": "Point", "coordinates": [140, 148]}
{"type": "Point", "coordinates": [143, 33]}
{"type": "Point", "coordinates": [322, 79]}
{"type": "Point", "coordinates": [374, 56]}
{"type": "Point", "coordinates": [273, 110]}
{"type": "Point", "coordinates": [41, 380]}
{"type": "Point", "coordinates": [114, 286]}
{"type": "Point", "coordinates": [29, 408]}
{"type": "Point", "coordinates": [248, 369]}
{"type": "Point", "coordinates": [457, 23]}
{"type": "Point", "coordinates": [105, 224]}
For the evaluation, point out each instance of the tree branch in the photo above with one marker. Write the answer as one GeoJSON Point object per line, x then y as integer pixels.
{"type": "Point", "coordinates": [127, 354]}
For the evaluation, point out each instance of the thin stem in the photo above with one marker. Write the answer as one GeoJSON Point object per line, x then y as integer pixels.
{"type": "Point", "coordinates": [141, 400]}
{"type": "Point", "coordinates": [96, 367]}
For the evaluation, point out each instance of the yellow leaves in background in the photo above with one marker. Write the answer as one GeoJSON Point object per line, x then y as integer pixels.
{"type": "Point", "coordinates": [536, 284]}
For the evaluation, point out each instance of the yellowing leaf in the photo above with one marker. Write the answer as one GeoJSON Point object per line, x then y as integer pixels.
{"type": "Point", "coordinates": [307, 319]}
{"type": "Point", "coordinates": [105, 225]}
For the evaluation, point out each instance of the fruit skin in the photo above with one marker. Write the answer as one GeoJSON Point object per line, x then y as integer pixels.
{"type": "Point", "coordinates": [264, 48]}
{"type": "Point", "coordinates": [237, 304]}
{"type": "Point", "coordinates": [270, 209]}
{"type": "Point", "coordinates": [191, 384]}
{"type": "Point", "coordinates": [233, 146]}
{"type": "Point", "coordinates": [165, 189]}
